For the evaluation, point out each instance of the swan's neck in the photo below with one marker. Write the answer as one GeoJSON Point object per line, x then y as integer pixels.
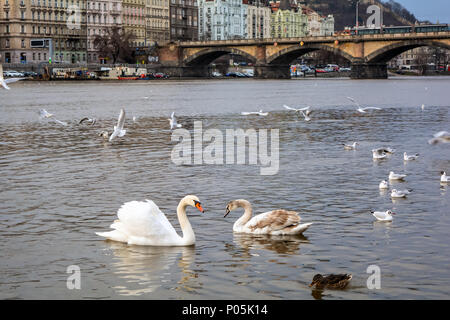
{"type": "Point", "coordinates": [186, 228]}
{"type": "Point", "coordinates": [248, 211]}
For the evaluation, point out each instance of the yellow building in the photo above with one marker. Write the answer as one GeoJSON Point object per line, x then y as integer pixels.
{"type": "Point", "coordinates": [287, 21]}
{"type": "Point", "coordinates": [157, 21]}
{"type": "Point", "coordinates": [134, 21]}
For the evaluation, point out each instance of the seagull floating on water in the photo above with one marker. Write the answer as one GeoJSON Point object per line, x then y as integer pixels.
{"type": "Point", "coordinates": [377, 155]}
{"type": "Point", "coordinates": [444, 177]}
{"type": "Point", "coordinates": [104, 135]}
{"type": "Point", "coordinates": [410, 157]}
{"type": "Point", "coordinates": [442, 136]}
{"type": "Point", "coordinates": [350, 146]}
{"type": "Point", "coordinates": [259, 113]}
{"type": "Point", "coordinates": [383, 215]}
{"type": "Point", "coordinates": [399, 193]}
{"type": "Point", "coordinates": [45, 114]}
{"type": "Point", "coordinates": [384, 150]}
{"type": "Point", "coordinates": [383, 185]}
{"type": "Point", "coordinates": [118, 129]}
{"type": "Point", "coordinates": [395, 176]}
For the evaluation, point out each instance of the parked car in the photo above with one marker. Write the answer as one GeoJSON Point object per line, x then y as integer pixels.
{"type": "Point", "coordinates": [30, 74]}
{"type": "Point", "coordinates": [320, 70]}
{"type": "Point", "coordinates": [161, 75]}
{"type": "Point", "coordinates": [14, 74]}
{"type": "Point", "coordinates": [216, 74]}
{"type": "Point", "coordinates": [344, 69]}
{"type": "Point", "coordinates": [334, 67]}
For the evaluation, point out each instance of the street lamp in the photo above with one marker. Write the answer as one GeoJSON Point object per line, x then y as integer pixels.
{"type": "Point", "coordinates": [357, 15]}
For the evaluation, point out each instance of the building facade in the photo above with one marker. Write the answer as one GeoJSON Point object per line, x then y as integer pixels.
{"type": "Point", "coordinates": [134, 21]}
{"type": "Point", "coordinates": [258, 20]}
{"type": "Point", "coordinates": [287, 20]}
{"type": "Point", "coordinates": [222, 19]}
{"type": "Point", "coordinates": [37, 31]}
{"type": "Point", "coordinates": [183, 20]}
{"type": "Point", "coordinates": [101, 15]}
{"type": "Point", "coordinates": [157, 22]}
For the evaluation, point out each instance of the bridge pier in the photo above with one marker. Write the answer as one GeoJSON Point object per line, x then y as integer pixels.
{"type": "Point", "coordinates": [369, 71]}
{"type": "Point", "coordinates": [272, 71]}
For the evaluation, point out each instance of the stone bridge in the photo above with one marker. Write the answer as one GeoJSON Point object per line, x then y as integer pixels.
{"type": "Point", "coordinates": [368, 54]}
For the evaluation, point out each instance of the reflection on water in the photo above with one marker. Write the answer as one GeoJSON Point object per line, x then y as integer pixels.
{"type": "Point", "coordinates": [145, 269]}
{"type": "Point", "coordinates": [61, 184]}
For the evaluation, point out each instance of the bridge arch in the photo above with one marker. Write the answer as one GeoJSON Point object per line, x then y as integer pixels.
{"type": "Point", "coordinates": [287, 55]}
{"type": "Point", "coordinates": [206, 56]}
{"type": "Point", "coordinates": [388, 52]}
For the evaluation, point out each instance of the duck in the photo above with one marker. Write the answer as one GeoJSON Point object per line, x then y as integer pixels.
{"type": "Point", "coordinates": [396, 176]}
{"type": "Point", "coordinates": [276, 222]}
{"type": "Point", "coordinates": [332, 281]}
{"type": "Point", "coordinates": [383, 185]}
{"type": "Point", "coordinates": [143, 223]}
{"type": "Point", "coordinates": [444, 177]}
{"type": "Point", "coordinates": [385, 216]}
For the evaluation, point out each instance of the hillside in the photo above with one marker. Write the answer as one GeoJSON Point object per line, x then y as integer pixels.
{"type": "Point", "coordinates": [344, 11]}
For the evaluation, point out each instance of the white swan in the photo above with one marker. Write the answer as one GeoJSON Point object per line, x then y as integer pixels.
{"type": "Point", "coordinates": [142, 223]}
{"type": "Point", "coordinates": [276, 222]}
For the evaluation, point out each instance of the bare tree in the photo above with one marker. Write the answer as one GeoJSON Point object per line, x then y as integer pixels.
{"type": "Point", "coordinates": [116, 45]}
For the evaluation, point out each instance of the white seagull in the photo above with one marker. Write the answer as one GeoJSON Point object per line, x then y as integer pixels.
{"type": "Point", "coordinates": [118, 130]}
{"type": "Point", "coordinates": [350, 146]}
{"type": "Point", "coordinates": [361, 109]}
{"type": "Point", "coordinates": [384, 150]}
{"type": "Point", "coordinates": [399, 193]}
{"type": "Point", "coordinates": [4, 82]}
{"type": "Point", "coordinates": [395, 176]}
{"type": "Point", "coordinates": [45, 114]}
{"type": "Point", "coordinates": [259, 113]}
{"type": "Point", "coordinates": [410, 157]}
{"type": "Point", "coordinates": [298, 110]}
{"type": "Point", "coordinates": [383, 215]}
{"type": "Point", "coordinates": [86, 119]}
{"type": "Point", "coordinates": [442, 136]}
{"type": "Point", "coordinates": [383, 185]}
{"type": "Point", "coordinates": [378, 155]}
{"type": "Point", "coordinates": [444, 177]}
{"type": "Point", "coordinates": [173, 122]}
{"type": "Point", "coordinates": [423, 107]}
{"type": "Point", "coordinates": [307, 118]}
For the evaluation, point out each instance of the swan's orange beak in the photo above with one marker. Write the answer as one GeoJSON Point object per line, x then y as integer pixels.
{"type": "Point", "coordinates": [199, 207]}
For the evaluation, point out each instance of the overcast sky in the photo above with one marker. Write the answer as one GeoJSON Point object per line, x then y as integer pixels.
{"type": "Point", "coordinates": [429, 9]}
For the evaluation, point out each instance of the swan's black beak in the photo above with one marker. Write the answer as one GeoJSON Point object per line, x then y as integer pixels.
{"type": "Point", "coordinates": [227, 212]}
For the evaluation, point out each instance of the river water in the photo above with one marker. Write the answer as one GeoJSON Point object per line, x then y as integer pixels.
{"type": "Point", "coordinates": [61, 184]}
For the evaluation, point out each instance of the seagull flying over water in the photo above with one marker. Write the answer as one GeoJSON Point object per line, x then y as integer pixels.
{"type": "Point", "coordinates": [46, 115]}
{"type": "Point", "coordinates": [118, 130]}
{"type": "Point", "coordinates": [297, 110]}
{"type": "Point", "coordinates": [307, 118]}
{"type": "Point", "coordinates": [442, 136]}
{"type": "Point", "coordinates": [86, 119]}
{"type": "Point", "coordinates": [4, 82]}
{"type": "Point", "coordinates": [259, 113]}
{"type": "Point", "coordinates": [361, 109]}
{"type": "Point", "coordinates": [173, 121]}
{"type": "Point", "coordinates": [383, 215]}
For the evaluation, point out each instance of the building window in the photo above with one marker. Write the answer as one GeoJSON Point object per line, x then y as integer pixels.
{"type": "Point", "coordinates": [7, 43]}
